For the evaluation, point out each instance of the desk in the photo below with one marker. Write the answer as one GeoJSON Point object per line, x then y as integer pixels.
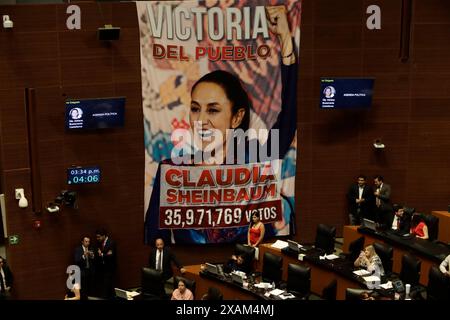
{"type": "Point", "coordinates": [229, 291]}
{"type": "Point", "coordinates": [320, 275]}
{"type": "Point", "coordinates": [429, 253]}
{"type": "Point", "coordinates": [444, 225]}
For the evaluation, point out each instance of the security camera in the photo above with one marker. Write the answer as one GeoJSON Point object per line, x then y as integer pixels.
{"type": "Point", "coordinates": [52, 208]}
{"type": "Point", "coordinates": [378, 144]}
{"type": "Point", "coordinates": [7, 23]}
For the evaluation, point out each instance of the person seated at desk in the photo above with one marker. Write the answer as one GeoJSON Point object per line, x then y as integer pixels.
{"type": "Point", "coordinates": [182, 293]}
{"type": "Point", "coordinates": [236, 263]}
{"type": "Point", "coordinates": [418, 227]}
{"type": "Point", "coordinates": [402, 220]}
{"type": "Point", "coordinates": [445, 266]}
{"type": "Point", "coordinates": [369, 260]}
{"type": "Point", "coordinates": [213, 294]}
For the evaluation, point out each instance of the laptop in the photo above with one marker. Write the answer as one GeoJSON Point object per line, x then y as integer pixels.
{"type": "Point", "coordinates": [237, 279]}
{"type": "Point", "coordinates": [129, 295]}
{"type": "Point", "coordinates": [369, 224]}
{"type": "Point", "coordinates": [293, 246]}
{"type": "Point", "coordinates": [212, 268]}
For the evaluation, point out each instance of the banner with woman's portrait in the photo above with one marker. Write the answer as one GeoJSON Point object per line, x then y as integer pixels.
{"type": "Point", "coordinates": [219, 87]}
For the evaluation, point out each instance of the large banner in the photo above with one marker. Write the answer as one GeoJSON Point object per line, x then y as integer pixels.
{"type": "Point", "coordinates": [219, 86]}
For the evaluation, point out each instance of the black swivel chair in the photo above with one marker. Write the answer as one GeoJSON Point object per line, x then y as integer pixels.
{"type": "Point", "coordinates": [386, 254]}
{"type": "Point", "coordinates": [352, 294]}
{"type": "Point", "coordinates": [249, 256]}
{"type": "Point", "coordinates": [272, 268]}
{"type": "Point", "coordinates": [330, 291]}
{"type": "Point", "coordinates": [410, 272]}
{"type": "Point", "coordinates": [325, 236]}
{"type": "Point", "coordinates": [299, 280]}
{"type": "Point", "coordinates": [438, 285]}
{"type": "Point", "coordinates": [152, 284]}
{"type": "Point", "coordinates": [190, 284]}
{"type": "Point", "coordinates": [355, 248]}
{"type": "Point", "coordinates": [432, 223]}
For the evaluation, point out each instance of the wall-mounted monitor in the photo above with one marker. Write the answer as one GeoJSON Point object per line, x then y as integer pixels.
{"type": "Point", "coordinates": [101, 113]}
{"type": "Point", "coordinates": [338, 93]}
{"type": "Point", "coordinates": [82, 175]}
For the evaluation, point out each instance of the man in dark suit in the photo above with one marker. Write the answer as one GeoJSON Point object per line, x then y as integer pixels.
{"type": "Point", "coordinates": [84, 258]}
{"type": "Point", "coordinates": [161, 259]}
{"type": "Point", "coordinates": [359, 198]}
{"type": "Point", "coordinates": [106, 263]}
{"type": "Point", "coordinates": [401, 221]}
{"type": "Point", "coordinates": [6, 280]}
{"type": "Point", "coordinates": [383, 208]}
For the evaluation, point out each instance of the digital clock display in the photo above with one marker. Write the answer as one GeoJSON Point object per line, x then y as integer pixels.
{"type": "Point", "coordinates": [81, 175]}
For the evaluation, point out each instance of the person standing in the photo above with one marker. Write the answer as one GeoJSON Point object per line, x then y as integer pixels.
{"type": "Point", "coordinates": [383, 208]}
{"type": "Point", "coordinates": [256, 231]}
{"type": "Point", "coordinates": [359, 200]}
{"type": "Point", "coordinates": [84, 258]}
{"type": "Point", "coordinates": [161, 259]}
{"type": "Point", "coordinates": [6, 280]}
{"type": "Point", "coordinates": [106, 264]}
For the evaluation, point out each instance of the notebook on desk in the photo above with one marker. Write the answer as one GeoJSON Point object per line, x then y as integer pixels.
{"type": "Point", "coordinates": [124, 294]}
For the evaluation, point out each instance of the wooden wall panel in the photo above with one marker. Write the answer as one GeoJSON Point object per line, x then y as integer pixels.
{"type": "Point", "coordinates": [409, 111]}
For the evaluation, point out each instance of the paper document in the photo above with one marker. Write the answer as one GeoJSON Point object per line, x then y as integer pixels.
{"type": "Point", "coordinates": [276, 292]}
{"type": "Point", "coordinates": [387, 285]}
{"type": "Point", "coordinates": [371, 279]}
{"type": "Point", "coordinates": [361, 272]}
{"type": "Point", "coordinates": [279, 244]}
{"type": "Point", "coordinates": [132, 293]}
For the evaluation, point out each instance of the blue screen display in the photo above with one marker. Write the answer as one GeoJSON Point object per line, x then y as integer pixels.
{"type": "Point", "coordinates": [95, 113]}
{"type": "Point", "coordinates": [81, 175]}
{"type": "Point", "coordinates": [345, 93]}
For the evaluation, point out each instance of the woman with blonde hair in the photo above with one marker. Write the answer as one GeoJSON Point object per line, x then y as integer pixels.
{"type": "Point", "coordinates": [369, 260]}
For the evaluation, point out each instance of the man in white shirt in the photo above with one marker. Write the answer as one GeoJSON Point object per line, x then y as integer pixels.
{"type": "Point", "coordinates": [445, 266]}
{"type": "Point", "coordinates": [359, 197]}
{"type": "Point", "coordinates": [161, 259]}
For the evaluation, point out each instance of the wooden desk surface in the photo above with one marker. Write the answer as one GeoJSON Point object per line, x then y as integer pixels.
{"type": "Point", "coordinates": [351, 233]}
{"type": "Point", "coordinates": [444, 225]}
{"type": "Point", "coordinates": [320, 277]}
{"type": "Point", "coordinates": [202, 284]}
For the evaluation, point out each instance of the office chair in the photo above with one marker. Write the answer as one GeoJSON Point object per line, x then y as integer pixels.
{"type": "Point", "coordinates": [190, 284]}
{"type": "Point", "coordinates": [272, 268]}
{"type": "Point", "coordinates": [355, 248]}
{"type": "Point", "coordinates": [299, 280]}
{"type": "Point", "coordinates": [152, 284]}
{"type": "Point", "coordinates": [249, 256]}
{"type": "Point", "coordinates": [432, 223]}
{"type": "Point", "coordinates": [386, 254]}
{"type": "Point", "coordinates": [352, 294]}
{"type": "Point", "coordinates": [330, 291]}
{"type": "Point", "coordinates": [438, 285]}
{"type": "Point", "coordinates": [410, 272]}
{"type": "Point", "coordinates": [325, 236]}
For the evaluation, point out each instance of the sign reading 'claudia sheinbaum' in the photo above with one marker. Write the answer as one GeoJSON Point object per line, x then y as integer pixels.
{"type": "Point", "coordinates": [219, 86]}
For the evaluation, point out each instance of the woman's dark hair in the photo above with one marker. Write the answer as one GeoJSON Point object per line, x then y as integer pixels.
{"type": "Point", "coordinates": [214, 294]}
{"type": "Point", "coordinates": [234, 90]}
{"type": "Point", "coordinates": [251, 218]}
{"type": "Point", "coordinates": [416, 219]}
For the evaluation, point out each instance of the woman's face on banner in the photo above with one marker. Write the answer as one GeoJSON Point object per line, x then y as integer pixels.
{"type": "Point", "coordinates": [210, 115]}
